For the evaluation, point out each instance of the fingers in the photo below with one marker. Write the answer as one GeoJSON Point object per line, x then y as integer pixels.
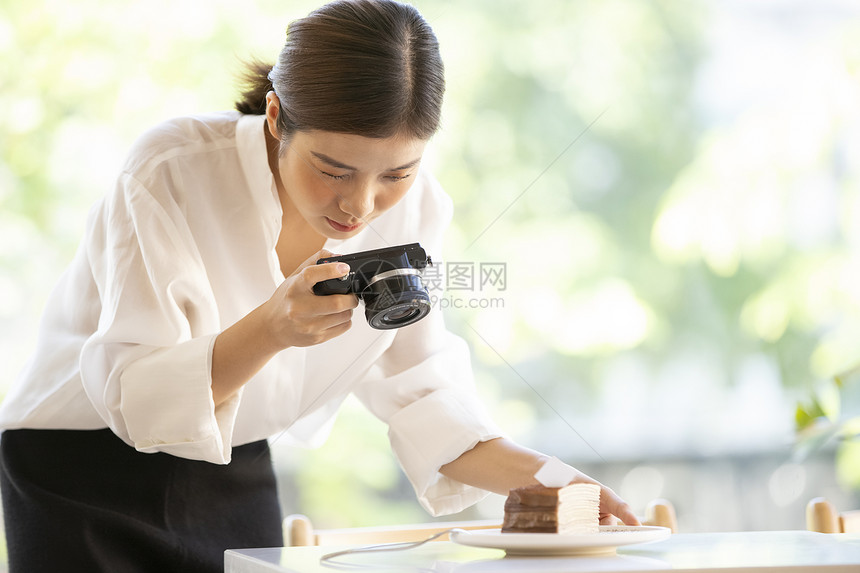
{"type": "Point", "coordinates": [608, 519]}
{"type": "Point", "coordinates": [313, 274]}
{"type": "Point", "coordinates": [298, 317]}
{"type": "Point", "coordinates": [612, 506]}
{"type": "Point", "coordinates": [312, 260]}
{"type": "Point", "coordinates": [341, 325]}
{"type": "Point", "coordinates": [301, 318]}
{"type": "Point", "coordinates": [335, 322]}
{"type": "Point", "coordinates": [627, 516]}
{"type": "Point", "coordinates": [318, 312]}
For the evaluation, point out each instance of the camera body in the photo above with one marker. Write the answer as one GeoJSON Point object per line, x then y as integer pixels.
{"type": "Point", "coordinates": [387, 280]}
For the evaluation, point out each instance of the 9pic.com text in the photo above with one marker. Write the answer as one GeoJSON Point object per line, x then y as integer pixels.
{"type": "Point", "coordinates": [466, 284]}
{"type": "Point", "coordinates": [460, 303]}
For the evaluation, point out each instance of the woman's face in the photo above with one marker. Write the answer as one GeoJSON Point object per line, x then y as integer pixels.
{"type": "Point", "coordinates": [340, 183]}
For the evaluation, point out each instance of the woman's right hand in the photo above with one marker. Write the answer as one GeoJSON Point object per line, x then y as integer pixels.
{"type": "Point", "coordinates": [298, 317]}
{"type": "Point", "coordinates": [293, 316]}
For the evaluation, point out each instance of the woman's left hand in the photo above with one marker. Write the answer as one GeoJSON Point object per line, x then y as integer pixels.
{"type": "Point", "coordinates": [500, 464]}
{"type": "Point", "coordinates": [612, 507]}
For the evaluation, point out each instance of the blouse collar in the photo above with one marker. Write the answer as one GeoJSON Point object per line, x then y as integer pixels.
{"type": "Point", "coordinates": [251, 145]}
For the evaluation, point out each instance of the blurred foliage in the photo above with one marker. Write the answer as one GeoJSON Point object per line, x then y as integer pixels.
{"type": "Point", "coordinates": [672, 188]}
{"type": "Point", "coordinates": [832, 416]}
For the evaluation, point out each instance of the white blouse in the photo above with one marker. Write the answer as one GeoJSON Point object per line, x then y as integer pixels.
{"type": "Point", "coordinates": [183, 248]}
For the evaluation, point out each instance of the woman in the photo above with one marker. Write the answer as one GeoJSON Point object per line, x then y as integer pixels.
{"type": "Point", "coordinates": [185, 332]}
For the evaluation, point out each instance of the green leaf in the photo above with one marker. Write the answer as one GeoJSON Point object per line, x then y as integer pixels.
{"type": "Point", "coordinates": [806, 414]}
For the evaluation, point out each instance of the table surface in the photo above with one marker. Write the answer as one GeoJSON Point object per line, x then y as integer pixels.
{"type": "Point", "coordinates": [738, 552]}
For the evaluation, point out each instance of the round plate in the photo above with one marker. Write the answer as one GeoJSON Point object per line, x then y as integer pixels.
{"type": "Point", "coordinates": [609, 538]}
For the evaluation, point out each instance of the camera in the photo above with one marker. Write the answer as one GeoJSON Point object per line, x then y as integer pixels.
{"type": "Point", "coordinates": [387, 280]}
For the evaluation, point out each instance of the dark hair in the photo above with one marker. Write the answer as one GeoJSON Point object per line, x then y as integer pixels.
{"type": "Point", "coordinates": [363, 67]}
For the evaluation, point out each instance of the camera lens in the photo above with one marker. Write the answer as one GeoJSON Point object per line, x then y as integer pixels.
{"type": "Point", "coordinates": [395, 301]}
{"type": "Point", "coordinates": [398, 314]}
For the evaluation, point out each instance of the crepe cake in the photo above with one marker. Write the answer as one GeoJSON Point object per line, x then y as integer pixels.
{"type": "Point", "coordinates": [566, 510]}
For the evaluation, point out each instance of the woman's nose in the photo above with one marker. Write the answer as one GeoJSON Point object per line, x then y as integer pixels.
{"type": "Point", "coordinates": [359, 202]}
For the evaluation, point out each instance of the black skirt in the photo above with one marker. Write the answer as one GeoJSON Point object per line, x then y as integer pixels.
{"type": "Point", "coordinates": [83, 500]}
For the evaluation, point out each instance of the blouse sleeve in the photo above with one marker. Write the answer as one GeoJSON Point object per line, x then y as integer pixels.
{"type": "Point", "coordinates": [147, 368]}
{"type": "Point", "coordinates": [423, 388]}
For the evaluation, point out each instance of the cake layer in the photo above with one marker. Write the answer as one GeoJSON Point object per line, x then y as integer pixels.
{"type": "Point", "coordinates": [538, 509]}
{"type": "Point", "coordinates": [533, 496]}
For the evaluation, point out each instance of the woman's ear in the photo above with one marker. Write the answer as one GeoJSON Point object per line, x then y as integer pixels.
{"type": "Point", "coordinates": [273, 107]}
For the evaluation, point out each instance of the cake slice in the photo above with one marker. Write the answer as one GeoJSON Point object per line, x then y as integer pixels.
{"type": "Point", "coordinates": [570, 509]}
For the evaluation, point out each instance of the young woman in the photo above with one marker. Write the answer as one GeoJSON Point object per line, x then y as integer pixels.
{"type": "Point", "coordinates": [186, 332]}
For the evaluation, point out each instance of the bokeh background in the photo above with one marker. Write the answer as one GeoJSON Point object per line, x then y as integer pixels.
{"type": "Point", "coordinates": [657, 228]}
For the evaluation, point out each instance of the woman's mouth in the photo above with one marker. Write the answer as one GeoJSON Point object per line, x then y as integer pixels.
{"type": "Point", "coordinates": [342, 228]}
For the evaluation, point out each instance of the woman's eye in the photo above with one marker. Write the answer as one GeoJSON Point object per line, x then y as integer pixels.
{"type": "Point", "coordinates": [397, 177]}
{"type": "Point", "coordinates": [335, 177]}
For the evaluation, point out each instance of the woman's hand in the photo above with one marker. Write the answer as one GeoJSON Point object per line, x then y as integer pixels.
{"type": "Point", "coordinates": [499, 465]}
{"type": "Point", "coordinates": [293, 316]}
{"type": "Point", "coordinates": [297, 317]}
{"type": "Point", "coordinates": [611, 506]}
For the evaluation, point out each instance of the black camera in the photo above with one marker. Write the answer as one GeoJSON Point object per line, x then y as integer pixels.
{"type": "Point", "coordinates": [387, 280]}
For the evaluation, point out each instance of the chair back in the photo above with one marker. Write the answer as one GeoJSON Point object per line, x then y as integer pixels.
{"type": "Point", "coordinates": [821, 516]}
{"type": "Point", "coordinates": [661, 512]}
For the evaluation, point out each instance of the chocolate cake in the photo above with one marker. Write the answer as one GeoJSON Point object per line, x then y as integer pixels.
{"type": "Point", "coordinates": [573, 508]}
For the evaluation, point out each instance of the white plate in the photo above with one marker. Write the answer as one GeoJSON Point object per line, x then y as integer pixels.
{"type": "Point", "coordinates": [609, 538]}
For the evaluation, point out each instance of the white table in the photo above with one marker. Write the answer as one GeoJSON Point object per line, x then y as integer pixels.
{"type": "Point", "coordinates": [735, 552]}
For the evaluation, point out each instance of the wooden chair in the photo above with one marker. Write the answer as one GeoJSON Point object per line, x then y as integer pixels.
{"type": "Point", "coordinates": [298, 530]}
{"type": "Point", "coordinates": [822, 516]}
{"type": "Point", "coordinates": [661, 512]}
